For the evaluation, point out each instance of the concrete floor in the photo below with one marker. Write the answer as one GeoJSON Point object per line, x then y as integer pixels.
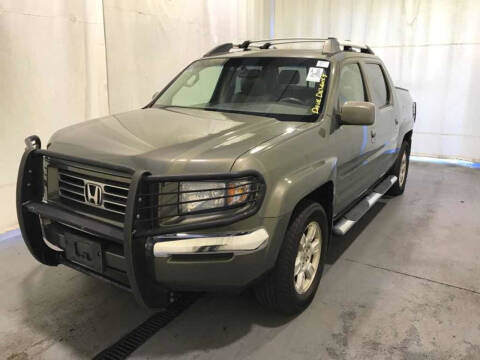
{"type": "Point", "coordinates": [403, 284]}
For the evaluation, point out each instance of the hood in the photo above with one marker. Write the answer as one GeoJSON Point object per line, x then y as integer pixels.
{"type": "Point", "coordinates": [169, 141]}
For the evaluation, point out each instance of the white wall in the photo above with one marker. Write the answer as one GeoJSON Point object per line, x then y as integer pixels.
{"type": "Point", "coordinates": [52, 74]}
{"type": "Point", "coordinates": [431, 47]}
{"type": "Point", "coordinates": [149, 42]}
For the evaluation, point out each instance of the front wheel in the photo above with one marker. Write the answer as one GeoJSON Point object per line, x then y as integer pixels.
{"type": "Point", "coordinates": [292, 284]}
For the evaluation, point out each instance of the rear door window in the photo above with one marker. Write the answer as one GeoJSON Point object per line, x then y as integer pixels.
{"type": "Point", "coordinates": [378, 84]}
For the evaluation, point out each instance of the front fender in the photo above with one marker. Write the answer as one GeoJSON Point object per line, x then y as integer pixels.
{"type": "Point", "coordinates": [293, 165]}
{"type": "Point", "coordinates": [287, 191]}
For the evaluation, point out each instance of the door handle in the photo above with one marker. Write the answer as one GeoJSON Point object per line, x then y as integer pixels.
{"type": "Point", "coordinates": [396, 121]}
{"type": "Point", "coordinates": [373, 133]}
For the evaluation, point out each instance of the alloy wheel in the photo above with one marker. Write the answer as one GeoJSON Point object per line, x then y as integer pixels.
{"type": "Point", "coordinates": [308, 257]}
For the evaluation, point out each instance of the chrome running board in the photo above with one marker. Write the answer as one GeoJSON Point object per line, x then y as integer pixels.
{"type": "Point", "coordinates": [342, 226]}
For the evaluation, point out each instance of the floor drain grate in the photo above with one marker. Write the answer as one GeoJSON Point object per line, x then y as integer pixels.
{"type": "Point", "coordinates": [138, 336]}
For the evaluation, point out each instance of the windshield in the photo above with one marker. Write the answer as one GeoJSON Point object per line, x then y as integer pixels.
{"type": "Point", "coordinates": [284, 88]}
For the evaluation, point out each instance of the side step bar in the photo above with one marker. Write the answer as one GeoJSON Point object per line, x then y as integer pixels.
{"type": "Point", "coordinates": [342, 226]}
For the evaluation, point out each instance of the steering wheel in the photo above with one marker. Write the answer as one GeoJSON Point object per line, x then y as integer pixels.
{"type": "Point", "coordinates": [292, 100]}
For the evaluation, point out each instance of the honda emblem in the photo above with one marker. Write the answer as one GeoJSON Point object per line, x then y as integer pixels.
{"type": "Point", "coordinates": [93, 194]}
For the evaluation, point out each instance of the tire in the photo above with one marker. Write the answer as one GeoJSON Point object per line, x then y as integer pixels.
{"type": "Point", "coordinates": [281, 290]}
{"type": "Point", "coordinates": [400, 170]}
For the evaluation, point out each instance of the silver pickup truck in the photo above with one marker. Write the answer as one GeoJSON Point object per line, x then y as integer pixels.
{"type": "Point", "coordinates": [235, 175]}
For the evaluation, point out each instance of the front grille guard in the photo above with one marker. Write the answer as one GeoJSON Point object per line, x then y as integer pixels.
{"type": "Point", "coordinates": [134, 238]}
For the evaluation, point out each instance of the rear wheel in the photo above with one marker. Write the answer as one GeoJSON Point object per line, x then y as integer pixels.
{"type": "Point", "coordinates": [400, 170]}
{"type": "Point", "coordinates": [292, 284]}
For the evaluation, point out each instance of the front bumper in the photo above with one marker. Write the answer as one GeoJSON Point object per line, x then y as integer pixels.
{"type": "Point", "coordinates": [224, 260]}
{"type": "Point", "coordinates": [183, 244]}
{"type": "Point", "coordinates": [149, 265]}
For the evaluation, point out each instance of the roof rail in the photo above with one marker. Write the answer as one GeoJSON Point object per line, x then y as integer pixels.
{"type": "Point", "coordinates": [220, 49]}
{"type": "Point", "coordinates": [330, 45]}
{"type": "Point", "coordinates": [349, 46]}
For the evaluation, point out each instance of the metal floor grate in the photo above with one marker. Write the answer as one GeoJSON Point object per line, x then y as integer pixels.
{"type": "Point", "coordinates": [138, 336]}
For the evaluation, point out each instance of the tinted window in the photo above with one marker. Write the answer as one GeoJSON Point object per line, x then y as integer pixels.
{"type": "Point", "coordinates": [351, 84]}
{"type": "Point", "coordinates": [377, 83]}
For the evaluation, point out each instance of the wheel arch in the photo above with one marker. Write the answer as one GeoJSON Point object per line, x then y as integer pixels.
{"type": "Point", "coordinates": [323, 195]}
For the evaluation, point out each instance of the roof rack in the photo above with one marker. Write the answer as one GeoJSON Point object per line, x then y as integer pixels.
{"type": "Point", "coordinates": [330, 45]}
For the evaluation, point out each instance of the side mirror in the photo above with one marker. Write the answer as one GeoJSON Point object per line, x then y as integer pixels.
{"type": "Point", "coordinates": [155, 95]}
{"type": "Point", "coordinates": [358, 113]}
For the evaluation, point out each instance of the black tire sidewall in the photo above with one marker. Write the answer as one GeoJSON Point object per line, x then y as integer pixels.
{"type": "Point", "coordinates": [398, 189]}
{"type": "Point", "coordinates": [284, 276]}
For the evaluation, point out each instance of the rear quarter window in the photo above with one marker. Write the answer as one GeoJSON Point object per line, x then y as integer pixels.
{"type": "Point", "coordinates": [378, 85]}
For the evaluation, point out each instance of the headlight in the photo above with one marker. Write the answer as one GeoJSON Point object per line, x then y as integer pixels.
{"type": "Point", "coordinates": [205, 195]}
{"type": "Point", "coordinates": [196, 196]}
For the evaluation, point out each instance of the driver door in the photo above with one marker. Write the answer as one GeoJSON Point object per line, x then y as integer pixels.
{"type": "Point", "coordinates": [353, 143]}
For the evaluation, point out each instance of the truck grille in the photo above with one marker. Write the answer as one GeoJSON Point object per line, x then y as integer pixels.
{"type": "Point", "coordinates": [93, 190]}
